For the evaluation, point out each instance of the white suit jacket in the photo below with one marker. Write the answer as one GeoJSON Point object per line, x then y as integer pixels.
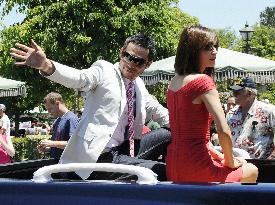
{"type": "Point", "coordinates": [104, 104]}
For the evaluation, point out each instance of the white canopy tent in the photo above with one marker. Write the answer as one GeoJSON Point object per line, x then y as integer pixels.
{"type": "Point", "coordinates": [10, 87]}
{"type": "Point", "coordinates": [38, 110]}
{"type": "Point", "coordinates": [229, 65]}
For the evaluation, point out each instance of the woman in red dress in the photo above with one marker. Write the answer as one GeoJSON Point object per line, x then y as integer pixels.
{"type": "Point", "coordinates": [193, 102]}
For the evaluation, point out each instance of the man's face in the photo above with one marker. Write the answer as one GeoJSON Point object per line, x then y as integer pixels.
{"type": "Point", "coordinates": [133, 61]}
{"type": "Point", "coordinates": [231, 102]}
{"type": "Point", "coordinates": [241, 96]}
{"type": "Point", "coordinates": [1, 113]}
{"type": "Point", "coordinates": [53, 109]}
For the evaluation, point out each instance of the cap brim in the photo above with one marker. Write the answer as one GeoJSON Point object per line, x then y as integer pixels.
{"type": "Point", "coordinates": [236, 87]}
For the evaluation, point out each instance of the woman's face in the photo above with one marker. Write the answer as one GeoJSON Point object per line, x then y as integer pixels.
{"type": "Point", "coordinates": [208, 56]}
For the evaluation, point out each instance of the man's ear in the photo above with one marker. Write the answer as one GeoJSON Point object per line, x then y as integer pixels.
{"type": "Point", "coordinates": [120, 53]}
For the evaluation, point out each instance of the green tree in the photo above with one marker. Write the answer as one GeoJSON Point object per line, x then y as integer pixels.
{"type": "Point", "coordinates": [269, 94]}
{"type": "Point", "coordinates": [267, 17]}
{"type": "Point", "coordinates": [79, 32]}
{"type": "Point", "coordinates": [227, 38]}
{"type": "Point", "coordinates": [263, 42]}
{"type": "Point", "coordinates": [159, 91]}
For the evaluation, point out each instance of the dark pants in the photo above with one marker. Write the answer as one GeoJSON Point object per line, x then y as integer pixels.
{"type": "Point", "coordinates": [151, 151]}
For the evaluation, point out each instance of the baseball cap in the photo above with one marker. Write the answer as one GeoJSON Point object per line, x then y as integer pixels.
{"type": "Point", "coordinates": [244, 83]}
{"type": "Point", "coordinates": [2, 107]}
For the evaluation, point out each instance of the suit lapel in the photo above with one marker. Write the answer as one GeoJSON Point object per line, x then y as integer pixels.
{"type": "Point", "coordinates": [122, 88]}
{"type": "Point", "coordinates": [139, 101]}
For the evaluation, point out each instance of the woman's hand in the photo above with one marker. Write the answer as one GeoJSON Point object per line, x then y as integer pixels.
{"type": "Point", "coordinates": [241, 159]}
{"type": "Point", "coordinates": [237, 162]}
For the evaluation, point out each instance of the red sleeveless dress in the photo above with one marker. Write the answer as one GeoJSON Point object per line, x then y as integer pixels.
{"type": "Point", "coordinates": [188, 158]}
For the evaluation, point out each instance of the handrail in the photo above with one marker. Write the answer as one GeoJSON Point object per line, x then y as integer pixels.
{"type": "Point", "coordinates": [145, 175]}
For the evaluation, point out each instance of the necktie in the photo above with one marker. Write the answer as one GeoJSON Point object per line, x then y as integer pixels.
{"type": "Point", "coordinates": [131, 131]}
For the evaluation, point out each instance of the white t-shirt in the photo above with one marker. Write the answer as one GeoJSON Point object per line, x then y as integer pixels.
{"type": "Point", "coordinates": [6, 124]}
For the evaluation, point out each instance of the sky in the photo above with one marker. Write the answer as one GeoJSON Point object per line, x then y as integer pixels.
{"type": "Point", "coordinates": [215, 14]}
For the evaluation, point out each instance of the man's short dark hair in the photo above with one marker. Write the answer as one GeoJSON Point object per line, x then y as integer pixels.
{"type": "Point", "coordinates": [143, 40]}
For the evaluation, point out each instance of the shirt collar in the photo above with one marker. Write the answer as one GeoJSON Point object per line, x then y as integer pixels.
{"type": "Point", "coordinates": [252, 109]}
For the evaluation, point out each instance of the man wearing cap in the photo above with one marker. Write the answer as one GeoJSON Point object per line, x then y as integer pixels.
{"type": "Point", "coordinates": [5, 120]}
{"type": "Point", "coordinates": [252, 122]}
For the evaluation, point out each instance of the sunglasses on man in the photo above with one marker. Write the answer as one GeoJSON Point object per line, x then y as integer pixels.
{"type": "Point", "coordinates": [131, 58]}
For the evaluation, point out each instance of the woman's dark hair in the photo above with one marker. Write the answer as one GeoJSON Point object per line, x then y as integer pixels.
{"type": "Point", "coordinates": [192, 40]}
{"type": "Point", "coordinates": [143, 40]}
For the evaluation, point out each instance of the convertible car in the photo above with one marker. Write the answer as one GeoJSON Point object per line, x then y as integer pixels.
{"type": "Point", "coordinates": [31, 183]}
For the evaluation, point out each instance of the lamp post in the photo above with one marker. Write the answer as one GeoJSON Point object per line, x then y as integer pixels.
{"type": "Point", "coordinates": [246, 34]}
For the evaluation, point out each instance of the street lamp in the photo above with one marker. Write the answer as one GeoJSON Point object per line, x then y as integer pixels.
{"type": "Point", "coordinates": [246, 34]}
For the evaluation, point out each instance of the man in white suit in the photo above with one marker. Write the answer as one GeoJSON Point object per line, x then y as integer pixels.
{"type": "Point", "coordinates": [101, 135]}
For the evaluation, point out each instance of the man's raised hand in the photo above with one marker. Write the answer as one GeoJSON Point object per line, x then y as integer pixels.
{"type": "Point", "coordinates": [31, 56]}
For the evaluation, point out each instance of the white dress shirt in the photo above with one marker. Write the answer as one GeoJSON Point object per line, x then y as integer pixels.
{"type": "Point", "coordinates": [118, 136]}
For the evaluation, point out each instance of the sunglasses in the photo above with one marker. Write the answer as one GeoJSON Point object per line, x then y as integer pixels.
{"type": "Point", "coordinates": [131, 58]}
{"type": "Point", "coordinates": [210, 47]}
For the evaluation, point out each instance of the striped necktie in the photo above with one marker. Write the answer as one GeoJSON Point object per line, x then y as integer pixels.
{"type": "Point", "coordinates": [131, 118]}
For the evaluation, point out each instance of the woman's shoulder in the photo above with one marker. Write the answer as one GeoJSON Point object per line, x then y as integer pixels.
{"type": "Point", "coordinates": [180, 81]}
{"type": "Point", "coordinates": [190, 77]}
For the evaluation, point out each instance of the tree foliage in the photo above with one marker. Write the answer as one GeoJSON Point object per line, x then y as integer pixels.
{"type": "Point", "coordinates": [79, 32]}
{"type": "Point", "coordinates": [269, 94]}
{"type": "Point", "coordinates": [263, 42]}
{"type": "Point", "coordinates": [267, 17]}
{"type": "Point", "coordinates": [159, 91]}
{"type": "Point", "coordinates": [227, 38]}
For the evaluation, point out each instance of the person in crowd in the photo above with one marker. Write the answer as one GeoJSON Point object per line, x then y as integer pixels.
{"type": "Point", "coordinates": [32, 130]}
{"type": "Point", "coordinates": [44, 129]}
{"type": "Point", "coordinates": [252, 122]}
{"type": "Point", "coordinates": [116, 103]}
{"type": "Point", "coordinates": [213, 133]}
{"type": "Point", "coordinates": [231, 102]}
{"type": "Point", "coordinates": [13, 133]}
{"type": "Point", "coordinates": [5, 120]}
{"type": "Point", "coordinates": [6, 147]}
{"type": "Point", "coordinates": [193, 101]}
{"type": "Point", "coordinates": [63, 127]}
